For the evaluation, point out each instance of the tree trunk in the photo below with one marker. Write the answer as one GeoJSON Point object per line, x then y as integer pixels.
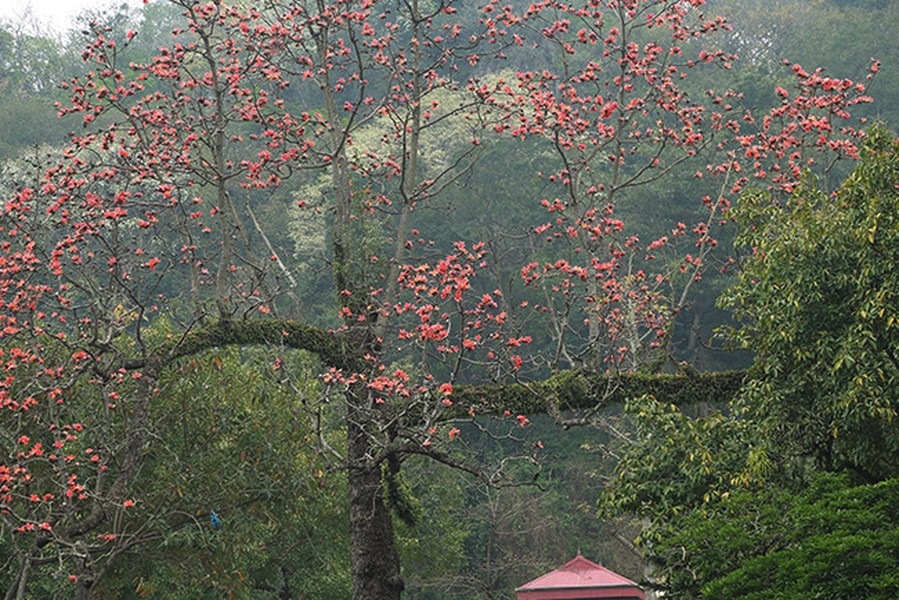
{"type": "Point", "coordinates": [375, 560]}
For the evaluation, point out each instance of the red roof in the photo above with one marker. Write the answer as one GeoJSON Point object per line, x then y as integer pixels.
{"type": "Point", "coordinates": [580, 578]}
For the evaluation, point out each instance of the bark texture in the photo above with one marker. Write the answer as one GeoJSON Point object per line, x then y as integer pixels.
{"type": "Point", "coordinates": [376, 562]}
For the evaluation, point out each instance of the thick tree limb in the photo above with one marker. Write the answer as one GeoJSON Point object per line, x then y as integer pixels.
{"type": "Point", "coordinates": [334, 349]}
{"type": "Point", "coordinates": [561, 393]}
{"type": "Point", "coordinates": [572, 391]}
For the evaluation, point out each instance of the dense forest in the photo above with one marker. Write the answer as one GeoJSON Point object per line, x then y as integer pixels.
{"type": "Point", "coordinates": [385, 299]}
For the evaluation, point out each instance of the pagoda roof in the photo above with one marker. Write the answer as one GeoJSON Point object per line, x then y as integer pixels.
{"type": "Point", "coordinates": [580, 578]}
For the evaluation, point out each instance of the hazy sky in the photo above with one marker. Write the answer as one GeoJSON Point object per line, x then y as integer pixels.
{"type": "Point", "coordinates": [57, 14]}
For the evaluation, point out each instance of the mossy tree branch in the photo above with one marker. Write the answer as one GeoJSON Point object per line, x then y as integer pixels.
{"type": "Point", "coordinates": [566, 391]}
{"type": "Point", "coordinates": [335, 349]}
{"type": "Point", "coordinates": [573, 391]}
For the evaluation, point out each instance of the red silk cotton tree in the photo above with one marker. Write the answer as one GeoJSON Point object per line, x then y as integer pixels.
{"type": "Point", "coordinates": [161, 189]}
{"type": "Point", "coordinates": [150, 217]}
{"type": "Point", "coordinates": [621, 114]}
{"type": "Point", "coordinates": [618, 119]}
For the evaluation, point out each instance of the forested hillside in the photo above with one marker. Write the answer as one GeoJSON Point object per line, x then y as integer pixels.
{"type": "Point", "coordinates": [372, 299]}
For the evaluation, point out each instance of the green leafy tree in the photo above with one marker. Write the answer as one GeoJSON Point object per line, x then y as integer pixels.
{"type": "Point", "coordinates": [791, 491]}
{"type": "Point", "coordinates": [234, 498]}
{"type": "Point", "coordinates": [818, 301]}
{"type": "Point", "coordinates": [830, 540]}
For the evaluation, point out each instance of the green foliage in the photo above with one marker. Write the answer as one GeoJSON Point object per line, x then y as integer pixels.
{"type": "Point", "coordinates": [228, 438]}
{"type": "Point", "coordinates": [831, 540]}
{"type": "Point", "coordinates": [674, 462]}
{"type": "Point", "coordinates": [818, 302]}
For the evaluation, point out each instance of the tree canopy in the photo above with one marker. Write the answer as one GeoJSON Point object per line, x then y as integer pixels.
{"type": "Point", "coordinates": [293, 252]}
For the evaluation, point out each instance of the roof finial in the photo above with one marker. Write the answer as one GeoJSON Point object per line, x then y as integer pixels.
{"type": "Point", "coordinates": [578, 550]}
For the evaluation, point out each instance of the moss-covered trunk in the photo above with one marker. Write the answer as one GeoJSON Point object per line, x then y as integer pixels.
{"type": "Point", "coordinates": [375, 559]}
